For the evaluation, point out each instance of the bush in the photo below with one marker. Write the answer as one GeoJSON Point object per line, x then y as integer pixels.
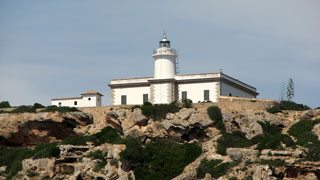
{"type": "Point", "coordinates": [215, 115]}
{"type": "Point", "coordinates": [289, 105]}
{"type": "Point", "coordinates": [12, 157]}
{"type": "Point", "coordinates": [37, 105]}
{"type": "Point", "coordinates": [271, 138]}
{"type": "Point", "coordinates": [273, 163]}
{"type": "Point", "coordinates": [234, 139]}
{"type": "Point", "coordinates": [159, 111]}
{"type": "Point", "coordinates": [5, 104]}
{"type": "Point", "coordinates": [23, 109]}
{"type": "Point", "coordinates": [59, 109]}
{"type": "Point", "coordinates": [302, 131]}
{"type": "Point", "coordinates": [107, 135]}
{"type": "Point", "coordinates": [158, 160]}
{"type": "Point", "coordinates": [274, 109]}
{"type": "Point", "coordinates": [214, 167]}
{"type": "Point", "coordinates": [187, 103]}
{"type": "Point", "coordinates": [98, 155]}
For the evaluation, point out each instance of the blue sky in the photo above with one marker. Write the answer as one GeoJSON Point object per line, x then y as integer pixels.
{"type": "Point", "coordinates": [55, 48]}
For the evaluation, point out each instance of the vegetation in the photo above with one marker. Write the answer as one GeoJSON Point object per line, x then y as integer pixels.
{"type": "Point", "coordinates": [270, 139]}
{"type": "Point", "coordinates": [215, 115]}
{"type": "Point", "coordinates": [5, 104]}
{"type": "Point", "coordinates": [290, 90]}
{"type": "Point", "coordinates": [274, 109]}
{"type": "Point", "coordinates": [12, 157]}
{"type": "Point", "coordinates": [289, 105]}
{"type": "Point", "coordinates": [273, 163]}
{"type": "Point", "coordinates": [187, 103]}
{"type": "Point", "coordinates": [107, 135]}
{"type": "Point", "coordinates": [214, 167]}
{"type": "Point", "coordinates": [158, 160]}
{"type": "Point", "coordinates": [59, 109]}
{"type": "Point", "coordinates": [234, 139]}
{"type": "Point", "coordinates": [302, 131]}
{"type": "Point", "coordinates": [158, 111]}
{"type": "Point", "coordinates": [98, 155]}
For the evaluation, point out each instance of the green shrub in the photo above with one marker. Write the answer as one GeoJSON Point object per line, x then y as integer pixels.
{"type": "Point", "coordinates": [95, 154]}
{"type": "Point", "coordinates": [5, 104]}
{"type": "Point", "coordinates": [214, 167]}
{"type": "Point", "coordinates": [271, 138]}
{"type": "Point", "coordinates": [302, 131]}
{"type": "Point", "coordinates": [274, 109]}
{"type": "Point", "coordinates": [289, 105]}
{"type": "Point", "coordinates": [233, 178]}
{"type": "Point", "coordinates": [106, 135]}
{"type": "Point", "coordinates": [37, 105]}
{"type": "Point", "coordinates": [23, 109]}
{"type": "Point", "coordinates": [32, 173]}
{"type": "Point", "coordinates": [187, 103]}
{"type": "Point", "coordinates": [59, 109]}
{"type": "Point", "coordinates": [215, 115]}
{"type": "Point", "coordinates": [12, 157]}
{"type": "Point", "coordinates": [159, 111]}
{"type": "Point", "coordinates": [273, 163]}
{"type": "Point", "coordinates": [234, 139]}
{"type": "Point", "coordinates": [158, 160]}
{"type": "Point", "coordinates": [248, 178]}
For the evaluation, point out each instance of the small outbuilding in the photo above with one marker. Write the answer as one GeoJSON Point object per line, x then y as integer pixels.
{"type": "Point", "coordinates": [87, 99]}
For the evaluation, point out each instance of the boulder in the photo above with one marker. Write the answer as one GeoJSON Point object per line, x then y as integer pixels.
{"type": "Point", "coordinates": [241, 153]}
{"type": "Point", "coordinates": [316, 130]}
{"type": "Point", "coordinates": [45, 166]}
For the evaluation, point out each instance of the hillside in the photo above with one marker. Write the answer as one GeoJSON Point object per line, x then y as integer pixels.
{"type": "Point", "coordinates": [146, 142]}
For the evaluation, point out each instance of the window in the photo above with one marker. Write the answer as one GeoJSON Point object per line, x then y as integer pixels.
{"type": "Point", "coordinates": [184, 95]}
{"type": "Point", "coordinates": [206, 95]}
{"type": "Point", "coordinates": [59, 104]}
{"type": "Point", "coordinates": [145, 98]}
{"type": "Point", "coordinates": [230, 94]}
{"type": "Point", "coordinates": [89, 99]}
{"type": "Point", "coordinates": [75, 103]}
{"type": "Point", "coordinates": [123, 100]}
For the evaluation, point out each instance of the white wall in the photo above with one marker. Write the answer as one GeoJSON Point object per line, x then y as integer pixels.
{"type": "Point", "coordinates": [95, 100]}
{"type": "Point", "coordinates": [134, 95]}
{"type": "Point", "coordinates": [161, 93]}
{"type": "Point", "coordinates": [226, 89]}
{"type": "Point", "coordinates": [195, 91]}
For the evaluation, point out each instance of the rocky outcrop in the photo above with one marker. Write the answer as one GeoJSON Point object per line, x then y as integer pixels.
{"type": "Point", "coordinates": [27, 129]}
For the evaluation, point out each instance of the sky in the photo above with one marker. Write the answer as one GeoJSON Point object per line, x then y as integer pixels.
{"type": "Point", "coordinates": [54, 48]}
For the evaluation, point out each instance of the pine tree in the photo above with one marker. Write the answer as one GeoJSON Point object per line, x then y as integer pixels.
{"type": "Point", "coordinates": [290, 90]}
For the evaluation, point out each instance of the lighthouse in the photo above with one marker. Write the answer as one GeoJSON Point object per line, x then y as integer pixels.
{"type": "Point", "coordinates": [165, 60]}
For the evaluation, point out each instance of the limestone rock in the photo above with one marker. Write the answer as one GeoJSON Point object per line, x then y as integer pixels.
{"type": "Point", "coordinates": [263, 172]}
{"type": "Point", "coordinates": [45, 166]}
{"type": "Point", "coordinates": [241, 153]}
{"type": "Point", "coordinates": [316, 130]}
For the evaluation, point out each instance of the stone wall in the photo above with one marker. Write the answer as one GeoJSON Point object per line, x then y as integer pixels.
{"type": "Point", "coordinates": [238, 103]}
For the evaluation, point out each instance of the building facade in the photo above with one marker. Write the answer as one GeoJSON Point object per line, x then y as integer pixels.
{"type": "Point", "coordinates": [87, 99]}
{"type": "Point", "coordinates": [166, 86]}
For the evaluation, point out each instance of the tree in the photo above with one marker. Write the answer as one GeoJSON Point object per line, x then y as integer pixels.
{"type": "Point", "coordinates": [4, 104]}
{"type": "Point", "coordinates": [290, 89]}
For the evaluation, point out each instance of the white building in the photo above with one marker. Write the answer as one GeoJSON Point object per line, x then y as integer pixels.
{"type": "Point", "coordinates": [87, 99]}
{"type": "Point", "coordinates": [166, 86]}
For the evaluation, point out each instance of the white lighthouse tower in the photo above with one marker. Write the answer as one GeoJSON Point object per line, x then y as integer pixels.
{"type": "Point", "coordinates": [165, 60]}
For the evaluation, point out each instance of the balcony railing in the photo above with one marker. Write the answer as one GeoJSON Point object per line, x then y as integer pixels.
{"type": "Point", "coordinates": [164, 51]}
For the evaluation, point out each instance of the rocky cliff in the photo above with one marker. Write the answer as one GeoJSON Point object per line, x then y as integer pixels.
{"type": "Point", "coordinates": [267, 146]}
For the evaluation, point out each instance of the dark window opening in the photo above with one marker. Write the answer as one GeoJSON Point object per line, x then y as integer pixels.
{"type": "Point", "coordinates": [123, 100]}
{"type": "Point", "coordinates": [184, 95]}
{"type": "Point", "coordinates": [206, 95]}
{"type": "Point", "coordinates": [75, 103]}
{"type": "Point", "coordinates": [59, 104]}
{"type": "Point", "coordinates": [230, 94]}
{"type": "Point", "coordinates": [145, 98]}
{"type": "Point", "coordinates": [89, 99]}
